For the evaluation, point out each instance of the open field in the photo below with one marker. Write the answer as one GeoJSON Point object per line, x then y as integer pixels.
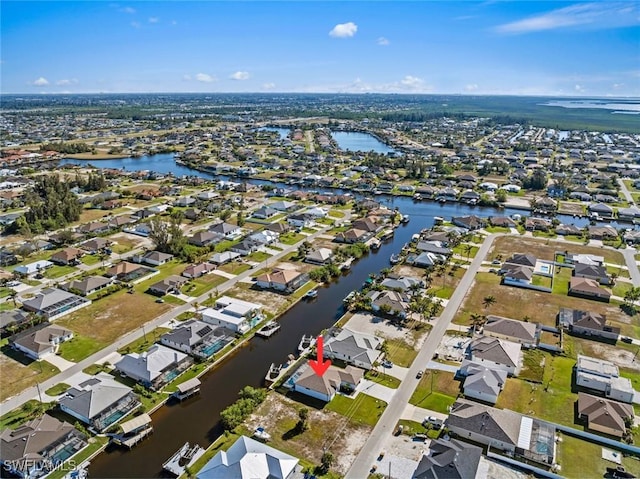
{"type": "Point", "coordinates": [544, 249]}
{"type": "Point", "coordinates": [109, 318]}
{"type": "Point", "coordinates": [520, 303]}
{"type": "Point", "coordinates": [17, 372]}
{"type": "Point", "coordinates": [199, 286]}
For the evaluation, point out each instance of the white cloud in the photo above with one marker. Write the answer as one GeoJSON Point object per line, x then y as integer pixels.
{"type": "Point", "coordinates": [42, 81]}
{"type": "Point", "coordinates": [63, 82]}
{"type": "Point", "coordinates": [135, 24]}
{"type": "Point", "coordinates": [411, 81]}
{"type": "Point", "coordinates": [129, 10]}
{"type": "Point", "coordinates": [579, 88]}
{"type": "Point", "coordinates": [382, 41]}
{"type": "Point", "coordinates": [239, 76]}
{"type": "Point", "coordinates": [205, 78]}
{"type": "Point", "coordinates": [587, 15]}
{"type": "Point", "coordinates": [471, 87]}
{"type": "Point", "coordinates": [344, 30]}
{"type": "Point", "coordinates": [269, 86]}
{"type": "Point", "coordinates": [154, 19]}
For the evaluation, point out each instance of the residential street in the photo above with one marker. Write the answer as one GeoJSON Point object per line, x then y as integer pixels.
{"type": "Point", "coordinates": [32, 392]}
{"type": "Point", "coordinates": [385, 426]}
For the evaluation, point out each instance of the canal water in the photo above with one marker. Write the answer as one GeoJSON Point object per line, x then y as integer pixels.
{"type": "Point", "coordinates": [197, 420]}
{"type": "Point", "coordinates": [355, 141]}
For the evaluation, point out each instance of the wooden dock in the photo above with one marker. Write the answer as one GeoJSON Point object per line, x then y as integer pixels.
{"type": "Point", "coordinates": [133, 431]}
{"type": "Point", "coordinates": [187, 389]}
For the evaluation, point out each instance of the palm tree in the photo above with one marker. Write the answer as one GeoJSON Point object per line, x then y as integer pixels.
{"type": "Point", "coordinates": [467, 249]}
{"type": "Point", "coordinates": [477, 321]}
{"type": "Point", "coordinates": [488, 301]}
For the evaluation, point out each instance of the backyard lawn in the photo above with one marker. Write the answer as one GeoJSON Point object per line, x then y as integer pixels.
{"type": "Point", "coordinates": [591, 463]}
{"type": "Point", "coordinates": [552, 400]}
{"type": "Point", "coordinates": [142, 344]}
{"type": "Point", "coordinates": [80, 347]}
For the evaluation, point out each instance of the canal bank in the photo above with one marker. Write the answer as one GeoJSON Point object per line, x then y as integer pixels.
{"type": "Point", "coordinates": [197, 420]}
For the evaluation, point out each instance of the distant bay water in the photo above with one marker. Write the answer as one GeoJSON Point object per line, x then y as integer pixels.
{"type": "Point", "coordinates": [628, 107]}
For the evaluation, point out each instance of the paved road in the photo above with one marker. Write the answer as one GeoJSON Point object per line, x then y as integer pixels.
{"type": "Point", "coordinates": [630, 258]}
{"type": "Point", "coordinates": [385, 426]}
{"type": "Point", "coordinates": [32, 392]}
{"type": "Point", "coordinates": [625, 191]}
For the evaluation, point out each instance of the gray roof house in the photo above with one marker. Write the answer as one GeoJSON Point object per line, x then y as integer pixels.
{"type": "Point", "coordinates": [511, 330]}
{"type": "Point", "coordinates": [359, 349]}
{"type": "Point", "coordinates": [41, 340]}
{"type": "Point", "coordinates": [38, 446]}
{"type": "Point", "coordinates": [402, 283]}
{"type": "Point", "coordinates": [100, 401]}
{"type": "Point", "coordinates": [197, 338]}
{"type": "Point", "coordinates": [88, 285]}
{"type": "Point", "coordinates": [326, 386]}
{"type": "Point", "coordinates": [153, 368]}
{"type": "Point", "coordinates": [503, 429]}
{"type": "Point", "coordinates": [397, 303]}
{"type": "Point", "coordinates": [482, 383]}
{"type": "Point", "coordinates": [12, 318]}
{"type": "Point", "coordinates": [319, 256]}
{"type": "Point", "coordinates": [496, 353]}
{"type": "Point", "coordinates": [592, 271]}
{"type": "Point", "coordinates": [451, 459]}
{"type": "Point", "coordinates": [250, 459]}
{"type": "Point", "coordinates": [587, 323]}
{"type": "Point", "coordinates": [54, 303]}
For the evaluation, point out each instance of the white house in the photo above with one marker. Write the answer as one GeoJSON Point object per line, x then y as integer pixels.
{"type": "Point", "coordinates": [250, 459]}
{"type": "Point", "coordinates": [155, 367]}
{"type": "Point", "coordinates": [33, 268]}
{"type": "Point", "coordinates": [231, 313]}
{"type": "Point", "coordinates": [604, 376]}
{"type": "Point", "coordinates": [40, 341]}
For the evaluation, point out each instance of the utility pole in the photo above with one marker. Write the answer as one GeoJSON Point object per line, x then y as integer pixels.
{"type": "Point", "coordinates": [39, 393]}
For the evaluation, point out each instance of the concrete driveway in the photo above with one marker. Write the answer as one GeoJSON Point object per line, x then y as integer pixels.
{"type": "Point", "coordinates": [58, 361]}
{"type": "Point", "coordinates": [376, 390]}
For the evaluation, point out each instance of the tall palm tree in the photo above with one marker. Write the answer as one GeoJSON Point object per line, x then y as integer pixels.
{"type": "Point", "coordinates": [477, 321]}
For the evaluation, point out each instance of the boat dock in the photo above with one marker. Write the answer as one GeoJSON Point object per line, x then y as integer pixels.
{"type": "Point", "coordinates": [133, 431]}
{"type": "Point", "coordinates": [306, 343]}
{"type": "Point", "coordinates": [268, 329]}
{"type": "Point", "coordinates": [187, 389]}
{"type": "Point", "coordinates": [183, 458]}
{"type": "Point", "coordinates": [346, 265]}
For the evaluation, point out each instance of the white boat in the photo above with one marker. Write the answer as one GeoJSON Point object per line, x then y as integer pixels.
{"type": "Point", "coordinates": [306, 342]}
{"type": "Point", "coordinates": [395, 259]}
{"type": "Point", "coordinates": [404, 219]}
{"type": "Point", "coordinates": [261, 434]}
{"type": "Point", "coordinates": [311, 294]}
{"type": "Point", "coordinates": [183, 458]}
{"type": "Point", "coordinates": [268, 329]}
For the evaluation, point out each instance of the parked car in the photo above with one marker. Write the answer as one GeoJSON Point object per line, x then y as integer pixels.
{"type": "Point", "coordinates": [419, 375]}
{"type": "Point", "coordinates": [387, 364]}
{"type": "Point", "coordinates": [433, 422]}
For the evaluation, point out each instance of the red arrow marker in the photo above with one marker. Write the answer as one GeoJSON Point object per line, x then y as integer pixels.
{"type": "Point", "coordinates": [320, 366]}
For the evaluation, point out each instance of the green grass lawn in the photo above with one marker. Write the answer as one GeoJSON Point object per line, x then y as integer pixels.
{"type": "Point", "coordinates": [400, 352]}
{"type": "Point", "coordinates": [533, 369]}
{"type": "Point", "coordinates": [590, 463]}
{"type": "Point", "coordinates": [170, 299]}
{"type": "Point", "coordinates": [142, 344]}
{"type": "Point", "coordinates": [462, 251]}
{"type": "Point", "coordinates": [363, 409]}
{"type": "Point", "coordinates": [90, 259]}
{"type": "Point", "coordinates": [57, 389]}
{"type": "Point", "coordinates": [164, 271]}
{"type": "Point", "coordinates": [497, 229]}
{"type": "Point", "coordinates": [382, 379]}
{"type": "Point", "coordinates": [543, 281]}
{"type": "Point", "coordinates": [235, 267]}
{"type": "Point", "coordinates": [552, 400]}
{"type": "Point", "coordinates": [561, 280]}
{"type": "Point", "coordinates": [437, 390]}
{"type": "Point", "coordinates": [28, 411]}
{"type": "Point", "coordinates": [199, 286]}
{"type": "Point", "coordinates": [57, 271]}
{"type": "Point", "coordinates": [291, 238]}
{"type": "Point", "coordinates": [80, 347]}
{"type": "Point", "coordinates": [620, 288]}
{"type": "Point", "coordinates": [259, 256]}
{"type": "Point", "coordinates": [94, 369]}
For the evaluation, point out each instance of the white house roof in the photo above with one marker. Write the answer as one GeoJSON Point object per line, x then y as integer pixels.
{"type": "Point", "coordinates": [249, 459]}
{"type": "Point", "coordinates": [33, 267]}
{"type": "Point", "coordinates": [94, 395]}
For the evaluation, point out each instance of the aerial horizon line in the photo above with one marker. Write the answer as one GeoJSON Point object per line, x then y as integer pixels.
{"type": "Point", "coordinates": [550, 95]}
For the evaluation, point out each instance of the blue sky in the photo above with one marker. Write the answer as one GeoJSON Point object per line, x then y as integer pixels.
{"type": "Point", "coordinates": [466, 47]}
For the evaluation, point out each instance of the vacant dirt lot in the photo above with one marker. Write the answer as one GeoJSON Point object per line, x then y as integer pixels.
{"type": "Point", "coordinates": [371, 324]}
{"type": "Point", "coordinates": [279, 415]}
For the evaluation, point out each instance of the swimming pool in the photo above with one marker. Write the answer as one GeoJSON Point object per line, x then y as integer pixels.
{"type": "Point", "coordinates": [545, 268]}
